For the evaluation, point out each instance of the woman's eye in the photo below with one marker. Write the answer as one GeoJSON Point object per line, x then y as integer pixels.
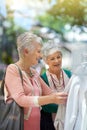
{"type": "Point", "coordinates": [58, 57]}
{"type": "Point", "coordinates": [52, 59]}
{"type": "Point", "coordinates": [39, 51]}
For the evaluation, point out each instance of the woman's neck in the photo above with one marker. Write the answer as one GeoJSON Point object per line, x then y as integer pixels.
{"type": "Point", "coordinates": [24, 66]}
{"type": "Point", "coordinates": [57, 73]}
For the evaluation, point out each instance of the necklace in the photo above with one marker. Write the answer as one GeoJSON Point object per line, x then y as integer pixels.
{"type": "Point", "coordinates": [29, 73]}
{"type": "Point", "coordinates": [26, 69]}
{"type": "Point", "coordinates": [55, 83]}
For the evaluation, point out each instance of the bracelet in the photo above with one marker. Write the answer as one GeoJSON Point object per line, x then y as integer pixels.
{"type": "Point", "coordinates": [36, 101]}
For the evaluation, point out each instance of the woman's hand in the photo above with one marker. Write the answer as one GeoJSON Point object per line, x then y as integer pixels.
{"type": "Point", "coordinates": [56, 97]}
{"type": "Point", "coordinates": [60, 97]}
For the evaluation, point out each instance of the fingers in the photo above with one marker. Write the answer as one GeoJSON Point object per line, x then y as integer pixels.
{"type": "Point", "coordinates": [62, 94]}
{"type": "Point", "coordinates": [61, 98]}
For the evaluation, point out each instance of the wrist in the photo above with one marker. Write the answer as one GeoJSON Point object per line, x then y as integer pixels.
{"type": "Point", "coordinates": [36, 103]}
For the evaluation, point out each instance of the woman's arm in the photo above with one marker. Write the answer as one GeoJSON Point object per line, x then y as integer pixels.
{"type": "Point", "coordinates": [57, 98]}
{"type": "Point", "coordinates": [16, 91]}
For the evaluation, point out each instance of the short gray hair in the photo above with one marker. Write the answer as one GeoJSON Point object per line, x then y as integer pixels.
{"type": "Point", "coordinates": [25, 40]}
{"type": "Point", "coordinates": [49, 48]}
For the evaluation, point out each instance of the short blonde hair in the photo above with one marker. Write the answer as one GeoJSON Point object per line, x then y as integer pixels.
{"type": "Point", "coordinates": [25, 40]}
{"type": "Point", "coordinates": [49, 48]}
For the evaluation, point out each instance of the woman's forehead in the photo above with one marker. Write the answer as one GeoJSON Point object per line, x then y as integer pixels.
{"type": "Point", "coordinates": [55, 54]}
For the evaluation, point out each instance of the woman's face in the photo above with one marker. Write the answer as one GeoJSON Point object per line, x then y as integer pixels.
{"type": "Point", "coordinates": [35, 54]}
{"type": "Point", "coordinates": [54, 61]}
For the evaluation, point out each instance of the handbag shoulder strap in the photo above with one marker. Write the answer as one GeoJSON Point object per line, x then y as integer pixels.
{"type": "Point", "coordinates": [2, 85]}
{"type": "Point", "coordinates": [3, 80]}
{"type": "Point", "coordinates": [20, 73]}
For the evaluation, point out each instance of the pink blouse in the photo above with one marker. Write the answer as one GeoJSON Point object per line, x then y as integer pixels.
{"type": "Point", "coordinates": [25, 95]}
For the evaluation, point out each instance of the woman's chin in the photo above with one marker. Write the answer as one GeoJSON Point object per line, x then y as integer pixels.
{"type": "Point", "coordinates": [56, 70]}
{"type": "Point", "coordinates": [35, 63]}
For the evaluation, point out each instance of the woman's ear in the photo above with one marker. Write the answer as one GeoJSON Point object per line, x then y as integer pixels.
{"type": "Point", "coordinates": [26, 51]}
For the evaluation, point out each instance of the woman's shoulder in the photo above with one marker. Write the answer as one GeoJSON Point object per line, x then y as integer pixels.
{"type": "Point", "coordinates": [12, 68]}
{"type": "Point", "coordinates": [68, 72]}
{"type": "Point", "coordinates": [43, 74]}
{"type": "Point", "coordinates": [44, 77]}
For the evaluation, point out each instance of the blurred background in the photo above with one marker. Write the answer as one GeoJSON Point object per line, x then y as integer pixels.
{"type": "Point", "coordinates": [64, 21]}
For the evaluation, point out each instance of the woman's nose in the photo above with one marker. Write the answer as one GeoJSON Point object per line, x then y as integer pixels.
{"type": "Point", "coordinates": [40, 55]}
{"type": "Point", "coordinates": [56, 60]}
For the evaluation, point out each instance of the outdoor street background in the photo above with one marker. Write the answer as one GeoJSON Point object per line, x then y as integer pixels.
{"type": "Point", "coordinates": [64, 21]}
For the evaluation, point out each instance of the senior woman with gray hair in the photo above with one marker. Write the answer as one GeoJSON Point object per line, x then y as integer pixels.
{"type": "Point", "coordinates": [34, 91]}
{"type": "Point", "coordinates": [56, 78]}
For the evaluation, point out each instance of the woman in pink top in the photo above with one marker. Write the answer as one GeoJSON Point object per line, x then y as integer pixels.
{"type": "Point", "coordinates": [34, 91]}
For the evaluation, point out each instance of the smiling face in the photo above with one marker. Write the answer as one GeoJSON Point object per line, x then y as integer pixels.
{"type": "Point", "coordinates": [55, 62]}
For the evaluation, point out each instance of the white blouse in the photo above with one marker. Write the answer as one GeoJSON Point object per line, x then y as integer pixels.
{"type": "Point", "coordinates": [76, 110]}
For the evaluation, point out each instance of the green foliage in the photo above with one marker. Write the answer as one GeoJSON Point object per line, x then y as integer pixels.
{"type": "Point", "coordinates": [8, 42]}
{"type": "Point", "coordinates": [71, 8]}
{"type": "Point", "coordinates": [72, 12]}
{"type": "Point", "coordinates": [55, 23]}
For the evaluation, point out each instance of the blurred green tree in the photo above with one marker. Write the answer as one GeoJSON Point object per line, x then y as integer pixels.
{"type": "Point", "coordinates": [72, 12]}
{"type": "Point", "coordinates": [75, 9]}
{"type": "Point", "coordinates": [8, 38]}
